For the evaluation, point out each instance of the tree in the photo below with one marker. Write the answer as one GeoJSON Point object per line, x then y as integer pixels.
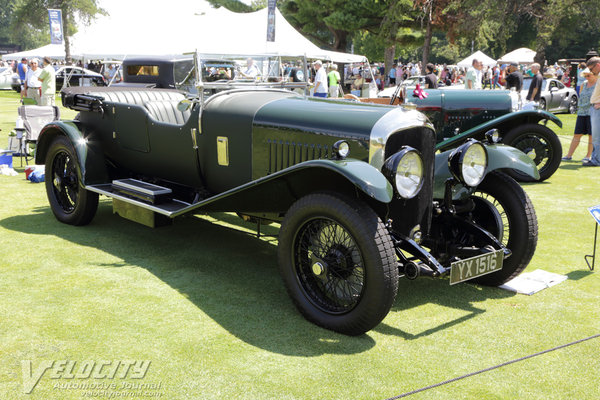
{"type": "Point", "coordinates": [31, 17]}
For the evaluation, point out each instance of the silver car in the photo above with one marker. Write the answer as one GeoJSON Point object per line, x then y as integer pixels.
{"type": "Point", "coordinates": [555, 97]}
{"type": "Point", "coordinates": [6, 77]}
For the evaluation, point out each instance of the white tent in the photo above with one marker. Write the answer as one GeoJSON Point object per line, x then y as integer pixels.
{"type": "Point", "coordinates": [521, 56]}
{"type": "Point", "coordinates": [479, 55]}
{"type": "Point", "coordinates": [186, 26]}
{"type": "Point", "coordinates": [54, 51]}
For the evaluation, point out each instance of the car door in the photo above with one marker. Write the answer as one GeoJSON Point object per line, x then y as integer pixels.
{"type": "Point", "coordinates": [557, 95]}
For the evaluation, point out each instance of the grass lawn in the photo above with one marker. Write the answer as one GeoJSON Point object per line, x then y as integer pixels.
{"type": "Point", "coordinates": [205, 305]}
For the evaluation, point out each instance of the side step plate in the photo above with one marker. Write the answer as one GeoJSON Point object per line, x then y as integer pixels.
{"type": "Point", "coordinates": [142, 190]}
{"type": "Point", "coordinates": [168, 208]}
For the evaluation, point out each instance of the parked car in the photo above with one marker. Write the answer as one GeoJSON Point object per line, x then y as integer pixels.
{"type": "Point", "coordinates": [6, 78]}
{"type": "Point", "coordinates": [555, 97]}
{"type": "Point", "coordinates": [460, 114]}
{"type": "Point", "coordinates": [15, 83]}
{"type": "Point", "coordinates": [361, 195]}
{"type": "Point", "coordinates": [69, 75]}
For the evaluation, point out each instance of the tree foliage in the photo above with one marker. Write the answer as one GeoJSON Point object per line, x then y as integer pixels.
{"type": "Point", "coordinates": [28, 19]}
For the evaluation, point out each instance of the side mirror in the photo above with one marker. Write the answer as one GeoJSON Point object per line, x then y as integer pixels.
{"type": "Point", "coordinates": [184, 105]}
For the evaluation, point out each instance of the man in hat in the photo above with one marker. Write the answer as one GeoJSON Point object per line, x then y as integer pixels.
{"type": "Point", "coordinates": [514, 78]}
{"type": "Point", "coordinates": [320, 80]}
{"type": "Point", "coordinates": [22, 71]}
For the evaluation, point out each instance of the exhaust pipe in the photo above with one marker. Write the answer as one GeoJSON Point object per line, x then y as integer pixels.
{"type": "Point", "coordinates": [413, 270]}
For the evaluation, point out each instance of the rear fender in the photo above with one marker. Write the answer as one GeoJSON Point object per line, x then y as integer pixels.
{"type": "Point", "coordinates": [500, 156]}
{"type": "Point", "coordinates": [89, 154]}
{"type": "Point", "coordinates": [504, 124]}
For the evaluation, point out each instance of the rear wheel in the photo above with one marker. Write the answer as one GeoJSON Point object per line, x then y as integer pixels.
{"type": "Point", "coordinates": [68, 199]}
{"type": "Point", "coordinates": [338, 263]}
{"type": "Point", "coordinates": [541, 144]}
{"type": "Point", "coordinates": [503, 208]}
{"type": "Point", "coordinates": [573, 105]}
{"type": "Point", "coordinates": [543, 104]}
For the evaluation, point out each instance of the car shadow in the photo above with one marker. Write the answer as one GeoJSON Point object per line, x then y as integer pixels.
{"type": "Point", "coordinates": [232, 276]}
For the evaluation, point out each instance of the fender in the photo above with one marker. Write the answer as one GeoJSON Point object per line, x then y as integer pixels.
{"type": "Point", "coordinates": [276, 192]}
{"type": "Point", "coordinates": [503, 123]}
{"type": "Point", "coordinates": [89, 154]}
{"type": "Point", "coordinates": [499, 156]}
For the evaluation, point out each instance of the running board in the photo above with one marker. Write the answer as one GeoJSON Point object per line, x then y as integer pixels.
{"type": "Point", "coordinates": [168, 208]}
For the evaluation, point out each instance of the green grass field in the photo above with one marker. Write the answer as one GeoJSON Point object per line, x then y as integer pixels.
{"type": "Point", "coordinates": [205, 305]}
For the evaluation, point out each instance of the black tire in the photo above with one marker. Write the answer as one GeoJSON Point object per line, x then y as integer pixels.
{"type": "Point", "coordinates": [573, 105]}
{"type": "Point", "coordinates": [541, 144]}
{"type": "Point", "coordinates": [69, 201]}
{"type": "Point", "coordinates": [543, 104]}
{"type": "Point", "coordinates": [356, 283]}
{"type": "Point", "coordinates": [503, 208]}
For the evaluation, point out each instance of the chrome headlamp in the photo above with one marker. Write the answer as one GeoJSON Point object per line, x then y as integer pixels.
{"type": "Point", "coordinates": [341, 149]}
{"type": "Point", "coordinates": [468, 163]}
{"type": "Point", "coordinates": [405, 171]}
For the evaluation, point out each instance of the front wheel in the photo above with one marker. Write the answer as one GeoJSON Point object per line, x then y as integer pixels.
{"type": "Point", "coordinates": [338, 262]}
{"type": "Point", "coordinates": [541, 144]}
{"type": "Point", "coordinates": [503, 208]}
{"type": "Point", "coordinates": [69, 201]}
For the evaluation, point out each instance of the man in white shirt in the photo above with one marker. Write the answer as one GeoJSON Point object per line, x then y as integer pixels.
{"type": "Point", "coordinates": [251, 71]}
{"type": "Point", "coordinates": [473, 77]}
{"type": "Point", "coordinates": [320, 80]}
{"type": "Point", "coordinates": [32, 84]}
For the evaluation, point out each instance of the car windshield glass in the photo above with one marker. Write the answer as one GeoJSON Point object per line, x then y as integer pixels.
{"type": "Point", "coordinates": [183, 75]}
{"type": "Point", "coordinates": [148, 70]}
{"type": "Point", "coordinates": [527, 83]}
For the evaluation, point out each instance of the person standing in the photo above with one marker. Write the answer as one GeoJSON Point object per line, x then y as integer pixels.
{"type": "Point", "coordinates": [473, 77]}
{"type": "Point", "coordinates": [333, 80]}
{"type": "Point", "coordinates": [320, 80]}
{"type": "Point", "coordinates": [22, 71]}
{"type": "Point", "coordinates": [583, 124]}
{"type": "Point", "coordinates": [594, 65]}
{"type": "Point", "coordinates": [32, 83]}
{"type": "Point", "coordinates": [251, 71]}
{"type": "Point", "coordinates": [392, 75]}
{"type": "Point", "coordinates": [515, 78]}
{"type": "Point", "coordinates": [430, 78]}
{"type": "Point", "coordinates": [535, 89]}
{"type": "Point", "coordinates": [48, 79]}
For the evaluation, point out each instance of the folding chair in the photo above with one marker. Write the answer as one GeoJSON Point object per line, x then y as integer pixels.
{"type": "Point", "coordinates": [34, 119]}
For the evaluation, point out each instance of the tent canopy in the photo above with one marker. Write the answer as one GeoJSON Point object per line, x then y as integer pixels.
{"type": "Point", "coordinates": [54, 51]}
{"type": "Point", "coordinates": [133, 29]}
{"type": "Point", "coordinates": [479, 55]}
{"type": "Point", "coordinates": [521, 56]}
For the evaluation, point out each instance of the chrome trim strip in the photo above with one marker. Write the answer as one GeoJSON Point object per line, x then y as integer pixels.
{"type": "Point", "coordinates": [395, 120]}
{"type": "Point", "coordinates": [125, 185]}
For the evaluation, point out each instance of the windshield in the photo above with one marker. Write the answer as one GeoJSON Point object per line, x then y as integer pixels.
{"type": "Point", "coordinates": [527, 83]}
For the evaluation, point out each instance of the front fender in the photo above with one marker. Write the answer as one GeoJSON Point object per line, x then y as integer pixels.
{"type": "Point", "coordinates": [276, 192]}
{"type": "Point", "coordinates": [89, 154]}
{"type": "Point", "coordinates": [500, 156]}
{"type": "Point", "coordinates": [503, 123]}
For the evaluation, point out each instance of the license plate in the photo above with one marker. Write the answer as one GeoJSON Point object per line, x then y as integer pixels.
{"type": "Point", "coordinates": [473, 267]}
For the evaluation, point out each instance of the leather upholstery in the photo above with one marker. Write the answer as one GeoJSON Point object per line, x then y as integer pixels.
{"type": "Point", "coordinates": [166, 111]}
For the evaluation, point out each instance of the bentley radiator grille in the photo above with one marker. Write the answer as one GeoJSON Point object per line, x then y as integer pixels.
{"type": "Point", "coordinates": [283, 154]}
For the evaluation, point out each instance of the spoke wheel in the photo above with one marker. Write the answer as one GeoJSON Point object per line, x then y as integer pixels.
{"type": "Point", "coordinates": [573, 105]}
{"type": "Point", "coordinates": [503, 208]}
{"type": "Point", "coordinates": [69, 200]}
{"type": "Point", "coordinates": [329, 266]}
{"type": "Point", "coordinates": [541, 144]}
{"type": "Point", "coordinates": [338, 263]}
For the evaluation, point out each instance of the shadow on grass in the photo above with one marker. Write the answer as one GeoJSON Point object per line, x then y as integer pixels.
{"type": "Point", "coordinates": [232, 276]}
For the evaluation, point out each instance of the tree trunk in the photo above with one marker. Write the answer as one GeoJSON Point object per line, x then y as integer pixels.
{"type": "Point", "coordinates": [389, 55]}
{"type": "Point", "coordinates": [427, 44]}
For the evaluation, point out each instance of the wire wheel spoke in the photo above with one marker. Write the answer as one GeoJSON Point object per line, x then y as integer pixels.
{"type": "Point", "coordinates": [337, 283]}
{"type": "Point", "coordinates": [65, 182]}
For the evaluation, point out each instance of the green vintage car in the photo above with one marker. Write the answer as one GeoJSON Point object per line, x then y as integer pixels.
{"type": "Point", "coordinates": [360, 194]}
{"type": "Point", "coordinates": [459, 114]}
